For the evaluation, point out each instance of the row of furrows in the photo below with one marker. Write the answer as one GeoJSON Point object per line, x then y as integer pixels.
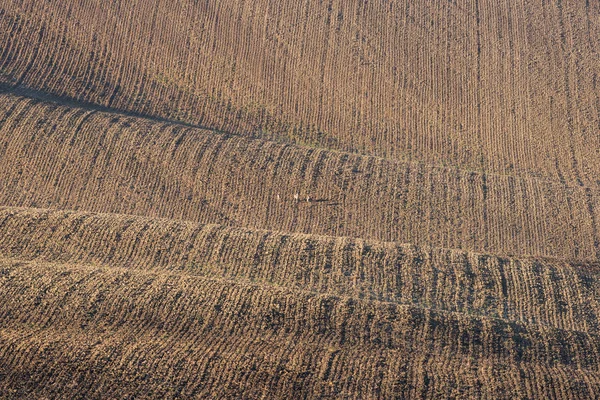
{"type": "Point", "coordinates": [71, 158]}
{"type": "Point", "coordinates": [488, 87]}
{"type": "Point", "coordinates": [139, 323]}
{"type": "Point", "coordinates": [550, 293]}
{"type": "Point", "coordinates": [138, 307]}
{"type": "Point", "coordinates": [103, 363]}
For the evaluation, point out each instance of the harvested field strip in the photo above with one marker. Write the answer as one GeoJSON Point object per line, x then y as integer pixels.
{"type": "Point", "coordinates": [545, 292]}
{"type": "Point", "coordinates": [504, 87]}
{"type": "Point", "coordinates": [180, 317]}
{"type": "Point", "coordinates": [63, 296]}
{"type": "Point", "coordinates": [64, 157]}
{"type": "Point", "coordinates": [116, 363]}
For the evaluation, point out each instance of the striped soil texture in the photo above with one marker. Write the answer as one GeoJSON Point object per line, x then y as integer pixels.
{"type": "Point", "coordinates": [282, 199]}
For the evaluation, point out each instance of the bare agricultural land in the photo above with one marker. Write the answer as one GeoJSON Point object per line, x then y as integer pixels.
{"type": "Point", "coordinates": [78, 158]}
{"type": "Point", "coordinates": [215, 311]}
{"type": "Point", "coordinates": [299, 199]}
{"type": "Point", "coordinates": [503, 86]}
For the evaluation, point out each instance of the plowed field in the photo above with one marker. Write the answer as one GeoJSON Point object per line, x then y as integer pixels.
{"type": "Point", "coordinates": [299, 199]}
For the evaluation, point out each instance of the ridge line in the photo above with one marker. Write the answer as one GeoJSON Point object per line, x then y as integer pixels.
{"type": "Point", "coordinates": [64, 101]}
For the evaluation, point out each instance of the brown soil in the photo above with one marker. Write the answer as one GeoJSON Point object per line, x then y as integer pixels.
{"type": "Point", "coordinates": [299, 199]}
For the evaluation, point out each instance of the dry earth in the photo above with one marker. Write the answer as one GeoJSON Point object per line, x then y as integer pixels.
{"type": "Point", "coordinates": [445, 242]}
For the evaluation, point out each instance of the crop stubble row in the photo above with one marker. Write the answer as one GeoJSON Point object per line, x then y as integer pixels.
{"type": "Point", "coordinates": [92, 329]}
{"type": "Point", "coordinates": [547, 292]}
{"type": "Point", "coordinates": [106, 363]}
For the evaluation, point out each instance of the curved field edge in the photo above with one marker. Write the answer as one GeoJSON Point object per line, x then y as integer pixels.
{"type": "Point", "coordinates": [197, 332]}
{"type": "Point", "coordinates": [74, 158]}
{"type": "Point", "coordinates": [545, 292]}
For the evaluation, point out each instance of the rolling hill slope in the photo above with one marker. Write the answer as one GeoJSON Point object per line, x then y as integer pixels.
{"type": "Point", "coordinates": [77, 158]}
{"type": "Point", "coordinates": [509, 87]}
{"type": "Point", "coordinates": [299, 199]}
{"type": "Point", "coordinates": [234, 312]}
